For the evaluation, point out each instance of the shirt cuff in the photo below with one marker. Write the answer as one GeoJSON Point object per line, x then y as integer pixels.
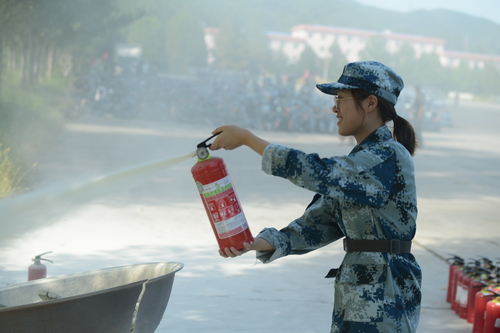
{"type": "Point", "coordinates": [272, 236]}
{"type": "Point", "coordinates": [273, 157]}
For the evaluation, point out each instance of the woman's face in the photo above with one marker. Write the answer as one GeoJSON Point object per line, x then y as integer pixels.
{"type": "Point", "coordinates": [350, 118]}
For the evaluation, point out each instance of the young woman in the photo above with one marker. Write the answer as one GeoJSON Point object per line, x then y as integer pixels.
{"type": "Point", "coordinates": [367, 197]}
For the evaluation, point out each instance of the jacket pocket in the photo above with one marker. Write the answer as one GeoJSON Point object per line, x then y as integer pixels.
{"type": "Point", "coordinates": [359, 292]}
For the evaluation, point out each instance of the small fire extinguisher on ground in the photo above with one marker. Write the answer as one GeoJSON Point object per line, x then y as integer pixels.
{"type": "Point", "coordinates": [37, 270]}
{"type": "Point", "coordinates": [482, 299]}
{"type": "Point", "coordinates": [220, 200]}
{"type": "Point", "coordinates": [456, 264]}
{"type": "Point", "coordinates": [492, 315]}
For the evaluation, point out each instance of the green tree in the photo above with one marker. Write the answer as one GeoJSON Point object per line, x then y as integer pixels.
{"type": "Point", "coordinates": [376, 50]}
{"type": "Point", "coordinates": [460, 77]}
{"type": "Point", "coordinates": [185, 43]}
{"type": "Point", "coordinates": [429, 71]}
{"type": "Point", "coordinates": [149, 32]}
{"type": "Point", "coordinates": [308, 61]}
{"type": "Point", "coordinates": [403, 63]}
{"type": "Point", "coordinates": [259, 53]}
{"type": "Point", "coordinates": [488, 78]}
{"type": "Point", "coordinates": [10, 11]}
{"type": "Point", "coordinates": [35, 31]}
{"type": "Point", "coordinates": [277, 63]}
{"type": "Point", "coordinates": [231, 47]}
{"type": "Point", "coordinates": [336, 63]}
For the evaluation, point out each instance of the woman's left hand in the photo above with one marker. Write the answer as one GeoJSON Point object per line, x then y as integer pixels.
{"type": "Point", "coordinates": [231, 252]}
{"type": "Point", "coordinates": [258, 244]}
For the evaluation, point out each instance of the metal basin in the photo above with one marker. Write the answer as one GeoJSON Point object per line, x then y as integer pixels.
{"type": "Point", "coordinates": [113, 300]}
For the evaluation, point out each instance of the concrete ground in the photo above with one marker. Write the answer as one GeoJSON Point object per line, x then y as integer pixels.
{"type": "Point", "coordinates": [162, 219]}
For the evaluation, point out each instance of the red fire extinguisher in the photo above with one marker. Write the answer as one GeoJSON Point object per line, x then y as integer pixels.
{"type": "Point", "coordinates": [457, 263]}
{"type": "Point", "coordinates": [492, 319]}
{"type": "Point", "coordinates": [37, 270]}
{"type": "Point", "coordinates": [457, 287]}
{"type": "Point", "coordinates": [482, 298]}
{"type": "Point", "coordinates": [220, 200]}
{"type": "Point", "coordinates": [481, 279]}
{"type": "Point", "coordinates": [464, 284]}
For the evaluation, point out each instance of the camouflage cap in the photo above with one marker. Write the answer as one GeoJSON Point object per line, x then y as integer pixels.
{"type": "Point", "coordinates": [370, 76]}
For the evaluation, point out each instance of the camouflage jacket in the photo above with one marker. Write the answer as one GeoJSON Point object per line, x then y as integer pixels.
{"type": "Point", "coordinates": [369, 194]}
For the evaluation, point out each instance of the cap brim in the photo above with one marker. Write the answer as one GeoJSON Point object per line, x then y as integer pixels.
{"type": "Point", "coordinates": [333, 88]}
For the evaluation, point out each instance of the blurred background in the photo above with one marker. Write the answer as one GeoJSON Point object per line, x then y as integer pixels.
{"type": "Point", "coordinates": [253, 63]}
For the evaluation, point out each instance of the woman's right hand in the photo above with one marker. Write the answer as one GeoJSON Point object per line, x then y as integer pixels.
{"type": "Point", "coordinates": [232, 137]}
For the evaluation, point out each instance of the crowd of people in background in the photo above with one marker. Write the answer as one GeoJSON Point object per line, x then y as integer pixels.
{"type": "Point", "coordinates": [213, 97]}
{"type": "Point", "coordinates": [210, 97]}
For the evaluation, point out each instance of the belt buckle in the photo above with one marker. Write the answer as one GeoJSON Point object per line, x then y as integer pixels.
{"type": "Point", "coordinates": [395, 246]}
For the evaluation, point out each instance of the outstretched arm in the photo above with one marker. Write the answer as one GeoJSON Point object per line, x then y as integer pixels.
{"type": "Point", "coordinates": [232, 137]}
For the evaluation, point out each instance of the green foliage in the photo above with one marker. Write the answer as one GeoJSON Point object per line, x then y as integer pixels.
{"type": "Point", "coordinates": [488, 78]}
{"type": "Point", "coordinates": [42, 31]}
{"type": "Point", "coordinates": [232, 48]}
{"type": "Point", "coordinates": [375, 49]}
{"type": "Point", "coordinates": [185, 44]}
{"type": "Point", "coordinates": [259, 52]}
{"type": "Point", "coordinates": [29, 121]}
{"type": "Point", "coordinates": [308, 62]}
{"type": "Point", "coordinates": [9, 173]}
{"type": "Point", "coordinates": [276, 63]}
{"type": "Point", "coordinates": [149, 31]}
{"type": "Point", "coordinates": [336, 63]}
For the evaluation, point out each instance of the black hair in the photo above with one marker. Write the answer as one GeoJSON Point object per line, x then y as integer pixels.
{"type": "Point", "coordinates": [403, 131]}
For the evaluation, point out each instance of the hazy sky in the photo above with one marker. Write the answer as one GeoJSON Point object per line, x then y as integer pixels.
{"type": "Point", "coordinates": [489, 9]}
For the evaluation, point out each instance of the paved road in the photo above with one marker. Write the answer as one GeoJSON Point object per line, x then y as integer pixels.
{"type": "Point", "coordinates": [162, 219]}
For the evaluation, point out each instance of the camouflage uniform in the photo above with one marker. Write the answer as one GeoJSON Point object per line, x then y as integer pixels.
{"type": "Point", "coordinates": [368, 195]}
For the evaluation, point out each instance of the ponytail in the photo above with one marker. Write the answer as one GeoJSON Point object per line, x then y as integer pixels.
{"type": "Point", "coordinates": [403, 131]}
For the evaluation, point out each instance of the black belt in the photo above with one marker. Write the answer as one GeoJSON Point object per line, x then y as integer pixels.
{"type": "Point", "coordinates": [394, 246]}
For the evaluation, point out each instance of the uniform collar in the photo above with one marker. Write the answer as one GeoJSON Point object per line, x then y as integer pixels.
{"type": "Point", "coordinates": [381, 134]}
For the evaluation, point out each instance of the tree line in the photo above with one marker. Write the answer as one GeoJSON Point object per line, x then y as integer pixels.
{"type": "Point", "coordinates": [42, 38]}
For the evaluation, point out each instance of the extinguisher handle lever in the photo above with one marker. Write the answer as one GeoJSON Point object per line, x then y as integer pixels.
{"type": "Point", "coordinates": [39, 257]}
{"type": "Point", "coordinates": [46, 260]}
{"type": "Point", "coordinates": [203, 144]}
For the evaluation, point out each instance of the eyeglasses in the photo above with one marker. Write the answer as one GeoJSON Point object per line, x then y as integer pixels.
{"type": "Point", "coordinates": [336, 100]}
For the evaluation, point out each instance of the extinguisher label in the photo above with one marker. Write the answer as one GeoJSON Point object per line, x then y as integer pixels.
{"type": "Point", "coordinates": [497, 323]}
{"type": "Point", "coordinates": [224, 208]}
{"type": "Point", "coordinates": [461, 295]}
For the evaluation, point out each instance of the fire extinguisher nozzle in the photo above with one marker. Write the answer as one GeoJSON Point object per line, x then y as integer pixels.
{"type": "Point", "coordinates": [202, 153]}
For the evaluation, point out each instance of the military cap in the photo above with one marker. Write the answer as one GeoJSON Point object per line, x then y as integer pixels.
{"type": "Point", "coordinates": [370, 76]}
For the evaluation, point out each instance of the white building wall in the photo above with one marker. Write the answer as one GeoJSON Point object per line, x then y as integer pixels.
{"type": "Point", "coordinates": [275, 45]}
{"type": "Point", "coordinates": [472, 60]}
{"type": "Point", "coordinates": [351, 46]}
{"type": "Point", "coordinates": [320, 43]}
{"type": "Point", "coordinates": [210, 44]}
{"type": "Point", "coordinates": [293, 51]}
{"type": "Point", "coordinates": [393, 46]}
{"type": "Point", "coordinates": [352, 41]}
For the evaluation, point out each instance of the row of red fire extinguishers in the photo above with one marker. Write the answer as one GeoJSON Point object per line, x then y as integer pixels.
{"type": "Point", "coordinates": [474, 293]}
